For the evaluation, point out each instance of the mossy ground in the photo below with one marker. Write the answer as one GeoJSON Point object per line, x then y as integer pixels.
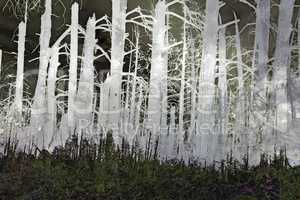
{"type": "Point", "coordinates": [74, 172]}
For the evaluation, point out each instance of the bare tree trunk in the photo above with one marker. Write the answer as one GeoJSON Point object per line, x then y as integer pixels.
{"type": "Point", "coordinates": [51, 87]}
{"type": "Point", "coordinates": [72, 87]}
{"type": "Point", "coordinates": [241, 117]}
{"type": "Point", "coordinates": [39, 107]}
{"type": "Point", "coordinates": [158, 69]}
{"type": "Point", "coordinates": [182, 85]}
{"type": "Point", "coordinates": [223, 94]}
{"type": "Point", "coordinates": [20, 68]}
{"type": "Point", "coordinates": [117, 56]}
{"type": "Point", "coordinates": [280, 68]}
{"type": "Point", "coordinates": [207, 73]}
{"type": "Point", "coordinates": [85, 93]}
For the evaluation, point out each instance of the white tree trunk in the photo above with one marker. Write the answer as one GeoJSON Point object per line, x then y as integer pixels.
{"type": "Point", "coordinates": [281, 65]}
{"type": "Point", "coordinates": [117, 57]}
{"type": "Point", "coordinates": [182, 84]}
{"type": "Point", "coordinates": [208, 66]}
{"type": "Point", "coordinates": [51, 87]}
{"type": "Point", "coordinates": [39, 107]}
{"type": "Point", "coordinates": [193, 89]}
{"type": "Point", "coordinates": [158, 69]}
{"type": "Point", "coordinates": [72, 87]}
{"type": "Point", "coordinates": [85, 93]}
{"type": "Point", "coordinates": [223, 94]}
{"type": "Point", "coordinates": [241, 117]}
{"type": "Point", "coordinates": [134, 84]}
{"type": "Point", "coordinates": [164, 81]}
{"type": "Point", "coordinates": [20, 68]}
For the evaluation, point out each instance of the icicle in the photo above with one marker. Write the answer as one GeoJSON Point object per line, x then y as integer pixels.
{"type": "Point", "coordinates": [158, 68]}
{"type": "Point", "coordinates": [73, 68]}
{"type": "Point", "coordinates": [117, 56]}
{"type": "Point", "coordinates": [39, 107]}
{"type": "Point", "coordinates": [20, 68]}
{"type": "Point", "coordinates": [85, 93]}
{"type": "Point", "coordinates": [51, 87]}
{"type": "Point", "coordinates": [281, 61]}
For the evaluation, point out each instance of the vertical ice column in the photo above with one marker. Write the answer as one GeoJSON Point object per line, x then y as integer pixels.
{"type": "Point", "coordinates": [117, 57]}
{"type": "Point", "coordinates": [85, 93]}
{"type": "Point", "coordinates": [20, 67]}
{"type": "Point", "coordinates": [73, 68]}
{"type": "Point", "coordinates": [281, 65]}
{"type": "Point", "coordinates": [208, 66]}
{"type": "Point", "coordinates": [158, 68]}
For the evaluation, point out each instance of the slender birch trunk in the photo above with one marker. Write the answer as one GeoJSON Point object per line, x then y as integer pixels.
{"type": "Point", "coordinates": [117, 56]}
{"type": "Point", "coordinates": [72, 87]}
{"type": "Point", "coordinates": [281, 65]}
{"type": "Point", "coordinates": [85, 93]}
{"type": "Point", "coordinates": [39, 107]}
{"type": "Point", "coordinates": [207, 73]}
{"type": "Point", "coordinates": [20, 68]}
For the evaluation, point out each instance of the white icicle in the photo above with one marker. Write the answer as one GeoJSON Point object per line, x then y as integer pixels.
{"type": "Point", "coordinates": [73, 68]}
{"type": "Point", "coordinates": [20, 68]}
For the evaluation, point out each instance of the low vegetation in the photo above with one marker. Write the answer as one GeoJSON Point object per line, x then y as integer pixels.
{"type": "Point", "coordinates": [82, 170]}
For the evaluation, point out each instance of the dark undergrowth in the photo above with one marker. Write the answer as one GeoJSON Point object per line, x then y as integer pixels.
{"type": "Point", "coordinates": [89, 171]}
